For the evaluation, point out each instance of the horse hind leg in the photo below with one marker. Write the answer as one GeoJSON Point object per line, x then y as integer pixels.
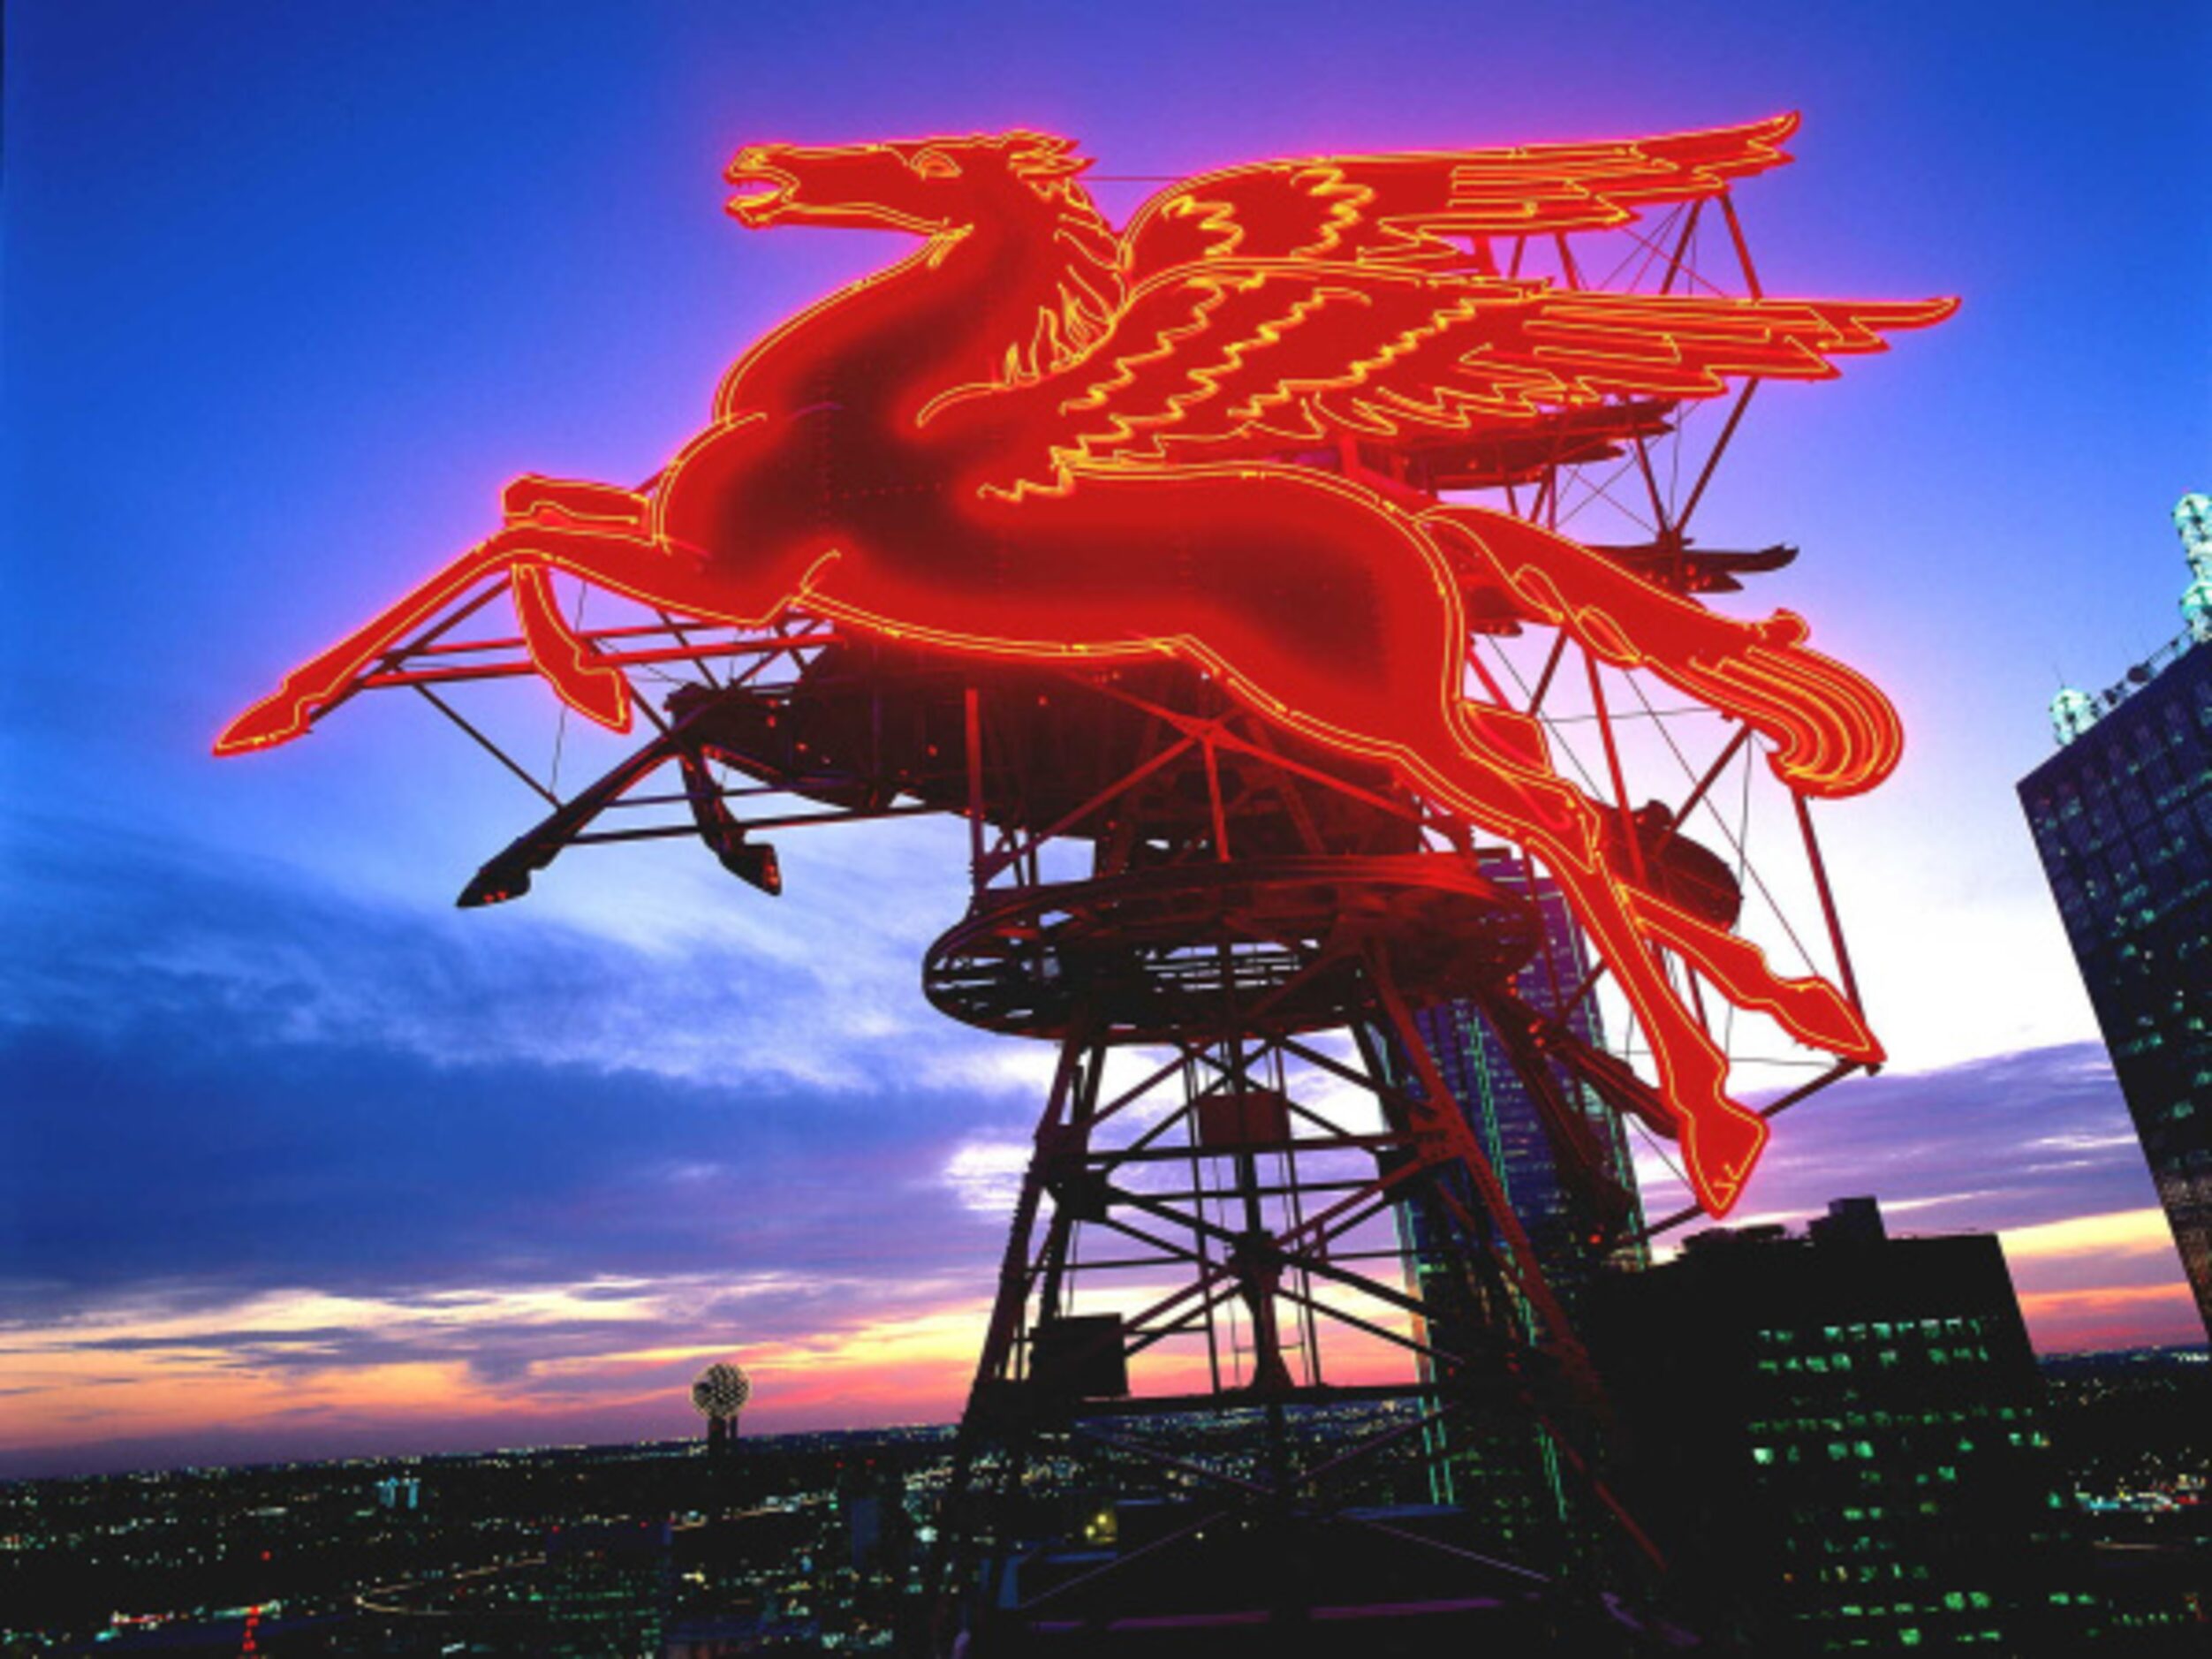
{"type": "Point", "coordinates": [1810, 1008]}
{"type": "Point", "coordinates": [1721, 1138]}
{"type": "Point", "coordinates": [1491, 773]}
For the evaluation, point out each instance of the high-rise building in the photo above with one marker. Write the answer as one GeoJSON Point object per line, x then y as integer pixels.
{"type": "Point", "coordinates": [2122, 815]}
{"type": "Point", "coordinates": [1571, 1186]}
{"type": "Point", "coordinates": [1558, 1192]}
{"type": "Point", "coordinates": [1838, 1441]}
{"type": "Point", "coordinates": [872, 1503]}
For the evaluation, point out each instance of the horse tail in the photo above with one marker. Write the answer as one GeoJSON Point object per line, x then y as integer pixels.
{"type": "Point", "coordinates": [1834, 732]}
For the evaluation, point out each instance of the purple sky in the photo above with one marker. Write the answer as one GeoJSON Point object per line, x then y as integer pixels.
{"type": "Point", "coordinates": [296, 1158]}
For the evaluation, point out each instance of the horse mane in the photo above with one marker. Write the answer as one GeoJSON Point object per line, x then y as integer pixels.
{"type": "Point", "coordinates": [1089, 291]}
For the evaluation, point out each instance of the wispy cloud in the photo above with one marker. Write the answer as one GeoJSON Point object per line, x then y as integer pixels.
{"type": "Point", "coordinates": [687, 977]}
{"type": "Point", "coordinates": [2010, 1141]}
{"type": "Point", "coordinates": [2126, 1234]}
{"type": "Point", "coordinates": [340, 1173]}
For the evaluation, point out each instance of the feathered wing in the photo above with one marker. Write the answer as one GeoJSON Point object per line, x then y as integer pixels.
{"type": "Point", "coordinates": [1230, 359]}
{"type": "Point", "coordinates": [1398, 209]}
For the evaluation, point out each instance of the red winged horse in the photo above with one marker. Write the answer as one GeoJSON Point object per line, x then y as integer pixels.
{"type": "Point", "coordinates": [1040, 438]}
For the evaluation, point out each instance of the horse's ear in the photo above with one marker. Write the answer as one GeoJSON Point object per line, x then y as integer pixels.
{"type": "Point", "coordinates": [1043, 155]}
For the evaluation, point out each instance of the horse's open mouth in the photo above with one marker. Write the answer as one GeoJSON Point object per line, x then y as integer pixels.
{"type": "Point", "coordinates": [768, 188]}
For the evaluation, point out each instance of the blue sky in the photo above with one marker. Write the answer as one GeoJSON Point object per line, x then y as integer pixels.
{"type": "Point", "coordinates": [280, 282]}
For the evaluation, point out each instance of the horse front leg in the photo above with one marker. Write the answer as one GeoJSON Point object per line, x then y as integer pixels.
{"type": "Point", "coordinates": [1503, 783]}
{"type": "Point", "coordinates": [624, 557]}
{"type": "Point", "coordinates": [1837, 734]}
{"type": "Point", "coordinates": [569, 661]}
{"type": "Point", "coordinates": [315, 684]}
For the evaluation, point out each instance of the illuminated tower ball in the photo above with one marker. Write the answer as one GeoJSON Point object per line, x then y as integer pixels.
{"type": "Point", "coordinates": [2193, 518]}
{"type": "Point", "coordinates": [720, 1394]}
{"type": "Point", "coordinates": [2073, 712]}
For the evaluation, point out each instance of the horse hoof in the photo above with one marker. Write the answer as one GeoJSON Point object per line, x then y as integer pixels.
{"type": "Point", "coordinates": [1719, 1148]}
{"type": "Point", "coordinates": [274, 720]}
{"type": "Point", "coordinates": [599, 694]}
{"type": "Point", "coordinates": [1821, 1018]}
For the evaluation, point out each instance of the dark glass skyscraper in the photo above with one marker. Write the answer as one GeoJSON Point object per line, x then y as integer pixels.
{"type": "Point", "coordinates": [1506, 1468]}
{"type": "Point", "coordinates": [1555, 1209]}
{"type": "Point", "coordinates": [2123, 819]}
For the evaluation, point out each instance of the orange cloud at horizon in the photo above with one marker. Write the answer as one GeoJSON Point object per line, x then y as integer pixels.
{"type": "Point", "coordinates": [312, 1374]}
{"type": "Point", "coordinates": [2111, 1280]}
{"type": "Point", "coordinates": [2131, 1315]}
{"type": "Point", "coordinates": [300, 1372]}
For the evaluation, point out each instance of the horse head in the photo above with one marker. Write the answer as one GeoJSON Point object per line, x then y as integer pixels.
{"type": "Point", "coordinates": [926, 186]}
{"type": "Point", "coordinates": [1021, 276]}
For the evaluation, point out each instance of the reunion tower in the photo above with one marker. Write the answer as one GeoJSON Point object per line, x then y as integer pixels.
{"type": "Point", "coordinates": [718, 1395]}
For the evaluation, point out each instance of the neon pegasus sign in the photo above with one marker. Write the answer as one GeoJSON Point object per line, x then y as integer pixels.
{"type": "Point", "coordinates": [1038, 437]}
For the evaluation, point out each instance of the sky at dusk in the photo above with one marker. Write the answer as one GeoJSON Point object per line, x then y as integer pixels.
{"type": "Point", "coordinates": [297, 1160]}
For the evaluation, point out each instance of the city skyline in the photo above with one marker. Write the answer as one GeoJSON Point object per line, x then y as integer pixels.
{"type": "Point", "coordinates": [304, 1158]}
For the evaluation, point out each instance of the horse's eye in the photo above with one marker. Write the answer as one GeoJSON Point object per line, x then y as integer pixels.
{"type": "Point", "coordinates": [935, 164]}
